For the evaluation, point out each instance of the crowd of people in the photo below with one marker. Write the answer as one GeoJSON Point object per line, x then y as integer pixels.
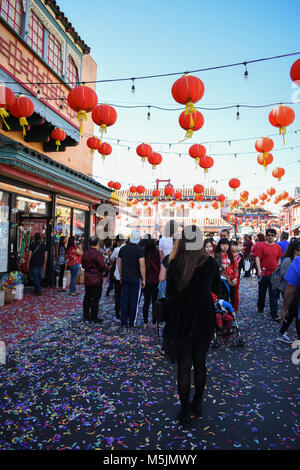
{"type": "Point", "coordinates": [199, 280]}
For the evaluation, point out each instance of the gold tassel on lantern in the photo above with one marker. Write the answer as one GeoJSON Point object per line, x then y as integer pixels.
{"type": "Point", "coordinates": [103, 129]}
{"type": "Point", "coordinates": [81, 116]}
{"type": "Point", "coordinates": [282, 131]}
{"type": "Point", "coordinates": [57, 142]}
{"type": "Point", "coordinates": [23, 122]}
{"type": "Point", "coordinates": [4, 114]}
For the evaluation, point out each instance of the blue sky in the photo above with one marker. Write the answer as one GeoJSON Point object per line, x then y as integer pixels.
{"type": "Point", "coordinates": [132, 38]}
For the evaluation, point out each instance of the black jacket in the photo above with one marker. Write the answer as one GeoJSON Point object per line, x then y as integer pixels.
{"type": "Point", "coordinates": [190, 314]}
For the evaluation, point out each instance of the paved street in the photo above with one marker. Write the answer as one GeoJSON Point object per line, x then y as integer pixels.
{"type": "Point", "coordinates": [67, 385]}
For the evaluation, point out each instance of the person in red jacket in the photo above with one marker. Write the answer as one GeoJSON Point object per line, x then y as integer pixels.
{"type": "Point", "coordinates": [93, 264]}
{"type": "Point", "coordinates": [228, 265]}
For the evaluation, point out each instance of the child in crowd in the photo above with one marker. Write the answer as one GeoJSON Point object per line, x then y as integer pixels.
{"type": "Point", "coordinates": [224, 314]}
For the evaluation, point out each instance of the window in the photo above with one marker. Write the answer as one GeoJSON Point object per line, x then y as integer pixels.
{"type": "Point", "coordinates": [72, 73]}
{"type": "Point", "coordinates": [54, 55]}
{"type": "Point", "coordinates": [12, 12]}
{"type": "Point", "coordinates": [35, 37]}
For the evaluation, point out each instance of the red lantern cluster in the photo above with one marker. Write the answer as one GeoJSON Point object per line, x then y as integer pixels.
{"type": "Point", "coordinates": [105, 149]}
{"type": "Point", "coordinates": [93, 143]}
{"type": "Point", "coordinates": [155, 159]}
{"type": "Point", "coordinates": [144, 151]}
{"type": "Point", "coordinates": [197, 151]}
{"type": "Point", "coordinates": [188, 90]}
{"type": "Point", "coordinates": [169, 191]}
{"type": "Point", "coordinates": [22, 108]}
{"type": "Point", "coordinates": [282, 116]}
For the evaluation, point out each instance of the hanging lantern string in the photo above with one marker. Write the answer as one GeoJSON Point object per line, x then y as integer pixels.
{"type": "Point", "coordinates": [144, 77]}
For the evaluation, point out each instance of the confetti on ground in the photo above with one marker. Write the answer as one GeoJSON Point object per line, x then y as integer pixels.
{"type": "Point", "coordinates": [68, 385]}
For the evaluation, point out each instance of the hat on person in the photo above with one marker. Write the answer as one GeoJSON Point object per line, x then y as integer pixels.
{"type": "Point", "coordinates": [135, 236]}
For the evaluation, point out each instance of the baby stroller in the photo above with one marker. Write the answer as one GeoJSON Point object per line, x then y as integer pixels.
{"type": "Point", "coordinates": [223, 304]}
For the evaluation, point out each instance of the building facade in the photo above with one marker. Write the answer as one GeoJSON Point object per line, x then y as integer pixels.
{"type": "Point", "coordinates": [42, 189]}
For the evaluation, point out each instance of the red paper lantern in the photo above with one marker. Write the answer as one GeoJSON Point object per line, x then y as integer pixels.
{"type": "Point", "coordinates": [104, 116]}
{"type": "Point", "coordinates": [206, 162]}
{"type": "Point", "coordinates": [198, 188]}
{"type": "Point", "coordinates": [264, 145]}
{"type": "Point", "coordinates": [58, 135]}
{"type": "Point", "coordinates": [169, 191]}
{"type": "Point", "coordinates": [271, 191]}
{"type": "Point", "coordinates": [244, 195]}
{"type": "Point", "coordinates": [278, 173]}
{"type": "Point", "coordinates": [282, 116]}
{"type": "Point", "coordinates": [221, 198]}
{"type": "Point", "coordinates": [197, 151]}
{"type": "Point", "coordinates": [191, 122]}
{"type": "Point", "coordinates": [155, 159]}
{"type": "Point", "coordinates": [105, 149]}
{"type": "Point", "coordinates": [132, 189]}
{"type": "Point", "coordinates": [188, 89]}
{"type": "Point", "coordinates": [265, 159]}
{"type": "Point", "coordinates": [191, 205]}
{"type": "Point", "coordinates": [83, 100]}
{"type": "Point", "coordinates": [144, 151]}
{"type": "Point", "coordinates": [215, 205]}
{"type": "Point", "coordinates": [7, 99]}
{"type": "Point", "coordinates": [110, 184]}
{"type": "Point", "coordinates": [93, 143]}
{"type": "Point", "coordinates": [199, 197]}
{"type": "Point", "coordinates": [178, 195]}
{"type": "Point", "coordinates": [117, 186]}
{"type": "Point", "coordinates": [295, 72]}
{"type": "Point", "coordinates": [140, 189]}
{"type": "Point", "coordinates": [234, 183]}
{"type": "Point", "coordinates": [156, 193]}
{"type": "Point", "coordinates": [22, 108]}
{"type": "Point", "coordinates": [263, 197]}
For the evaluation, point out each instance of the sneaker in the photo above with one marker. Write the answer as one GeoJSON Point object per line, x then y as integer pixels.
{"type": "Point", "coordinates": [284, 337]}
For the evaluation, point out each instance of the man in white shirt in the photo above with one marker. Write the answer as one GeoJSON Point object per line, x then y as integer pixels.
{"type": "Point", "coordinates": [166, 243]}
{"type": "Point", "coordinates": [118, 287]}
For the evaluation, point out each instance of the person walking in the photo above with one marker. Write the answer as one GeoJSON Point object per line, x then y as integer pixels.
{"type": "Point", "coordinates": [191, 277]}
{"type": "Point", "coordinates": [292, 252]}
{"type": "Point", "coordinates": [61, 262]}
{"type": "Point", "coordinates": [131, 266]}
{"type": "Point", "coordinates": [37, 261]}
{"type": "Point", "coordinates": [283, 242]}
{"type": "Point", "coordinates": [94, 265]}
{"type": "Point", "coordinates": [268, 257]}
{"type": "Point", "coordinates": [152, 261]}
{"type": "Point", "coordinates": [74, 253]}
{"type": "Point", "coordinates": [120, 241]}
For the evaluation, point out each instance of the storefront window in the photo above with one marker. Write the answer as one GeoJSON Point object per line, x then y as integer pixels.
{"type": "Point", "coordinates": [62, 221]}
{"type": "Point", "coordinates": [78, 222]}
{"type": "Point", "coordinates": [31, 206]}
{"type": "Point", "coordinates": [4, 231]}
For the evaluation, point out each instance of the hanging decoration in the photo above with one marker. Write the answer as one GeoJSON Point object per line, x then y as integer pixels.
{"type": "Point", "coordinates": [271, 191]}
{"type": "Point", "coordinates": [199, 197]}
{"type": "Point", "coordinates": [215, 205]}
{"type": "Point", "coordinates": [278, 173]}
{"type": "Point", "coordinates": [104, 116]}
{"type": "Point", "coordinates": [7, 99]}
{"type": "Point", "coordinates": [83, 100]}
{"type": "Point", "coordinates": [155, 159]}
{"type": "Point", "coordinates": [140, 190]}
{"type": "Point", "coordinates": [264, 145]}
{"type": "Point", "coordinates": [206, 162]}
{"type": "Point", "coordinates": [191, 205]}
{"type": "Point", "coordinates": [265, 159]}
{"type": "Point", "coordinates": [190, 123]}
{"type": "Point", "coordinates": [221, 198]}
{"type": "Point", "coordinates": [117, 186]}
{"type": "Point", "coordinates": [244, 196]}
{"type": "Point", "coordinates": [263, 197]}
{"type": "Point", "coordinates": [93, 143]}
{"type": "Point", "coordinates": [169, 191]}
{"type": "Point", "coordinates": [110, 184]}
{"type": "Point", "coordinates": [295, 72]}
{"type": "Point", "coordinates": [22, 108]}
{"type": "Point", "coordinates": [58, 135]}
{"type": "Point", "coordinates": [282, 116]}
{"type": "Point", "coordinates": [188, 90]}
{"type": "Point", "coordinates": [178, 195]}
{"type": "Point", "coordinates": [104, 149]}
{"type": "Point", "coordinates": [144, 151]}
{"type": "Point", "coordinates": [198, 189]}
{"type": "Point", "coordinates": [132, 189]}
{"type": "Point", "coordinates": [197, 151]}
{"type": "Point", "coordinates": [156, 193]}
{"type": "Point", "coordinates": [234, 183]}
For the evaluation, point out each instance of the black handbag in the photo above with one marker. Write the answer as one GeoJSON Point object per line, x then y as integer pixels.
{"type": "Point", "coordinates": [160, 310]}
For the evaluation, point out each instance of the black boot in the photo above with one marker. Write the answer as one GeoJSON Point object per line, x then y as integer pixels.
{"type": "Point", "coordinates": [195, 407]}
{"type": "Point", "coordinates": [184, 417]}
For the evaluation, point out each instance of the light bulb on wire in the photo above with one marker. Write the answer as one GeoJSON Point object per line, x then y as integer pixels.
{"type": "Point", "coordinates": [133, 87]}
{"type": "Point", "coordinates": [148, 114]}
{"type": "Point", "coordinates": [238, 113]}
{"type": "Point", "coordinates": [246, 71]}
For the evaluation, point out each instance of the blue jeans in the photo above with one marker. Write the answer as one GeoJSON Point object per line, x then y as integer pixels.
{"type": "Point", "coordinates": [129, 300]}
{"type": "Point", "coordinates": [36, 274]}
{"type": "Point", "coordinates": [74, 273]}
{"type": "Point", "coordinates": [264, 285]}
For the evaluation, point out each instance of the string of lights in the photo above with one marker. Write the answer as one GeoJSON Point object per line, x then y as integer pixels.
{"type": "Point", "coordinates": [144, 77]}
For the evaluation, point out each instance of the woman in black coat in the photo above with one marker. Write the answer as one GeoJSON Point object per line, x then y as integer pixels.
{"type": "Point", "coordinates": [191, 277]}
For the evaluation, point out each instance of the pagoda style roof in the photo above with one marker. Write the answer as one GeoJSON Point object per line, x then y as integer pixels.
{"type": "Point", "coordinates": [187, 193]}
{"type": "Point", "coordinates": [205, 223]}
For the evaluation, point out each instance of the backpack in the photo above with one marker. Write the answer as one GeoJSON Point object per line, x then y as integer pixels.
{"type": "Point", "coordinates": [276, 279]}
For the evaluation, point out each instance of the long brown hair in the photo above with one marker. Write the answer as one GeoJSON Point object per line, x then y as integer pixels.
{"type": "Point", "coordinates": [188, 260]}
